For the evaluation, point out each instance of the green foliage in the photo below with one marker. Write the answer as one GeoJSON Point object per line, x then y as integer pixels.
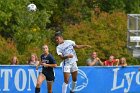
{"type": "Point", "coordinates": [7, 50]}
{"type": "Point", "coordinates": [23, 26]}
{"type": "Point", "coordinates": [129, 6]}
{"type": "Point", "coordinates": [132, 6]}
{"type": "Point", "coordinates": [106, 34]}
{"type": "Point", "coordinates": [110, 5]}
{"type": "Point", "coordinates": [100, 23]}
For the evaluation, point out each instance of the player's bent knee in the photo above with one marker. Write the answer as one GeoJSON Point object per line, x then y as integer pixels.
{"type": "Point", "coordinates": [66, 80]}
{"type": "Point", "coordinates": [38, 84]}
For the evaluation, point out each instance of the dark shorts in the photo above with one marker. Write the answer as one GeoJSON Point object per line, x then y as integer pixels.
{"type": "Point", "coordinates": [49, 77]}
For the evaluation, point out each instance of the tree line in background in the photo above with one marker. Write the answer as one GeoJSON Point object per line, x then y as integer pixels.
{"type": "Point", "coordinates": [99, 23]}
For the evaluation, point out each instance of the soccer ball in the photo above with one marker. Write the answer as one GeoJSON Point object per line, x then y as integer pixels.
{"type": "Point", "coordinates": [32, 7]}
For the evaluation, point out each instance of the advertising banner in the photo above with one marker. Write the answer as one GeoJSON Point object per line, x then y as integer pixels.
{"type": "Point", "coordinates": [23, 78]}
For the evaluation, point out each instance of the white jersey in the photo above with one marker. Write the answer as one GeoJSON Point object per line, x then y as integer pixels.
{"type": "Point", "coordinates": [67, 48]}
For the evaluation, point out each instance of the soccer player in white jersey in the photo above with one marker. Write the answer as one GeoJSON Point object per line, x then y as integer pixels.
{"type": "Point", "coordinates": [65, 50]}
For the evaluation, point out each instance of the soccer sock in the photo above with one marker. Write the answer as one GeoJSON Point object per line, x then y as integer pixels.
{"type": "Point", "coordinates": [64, 87]}
{"type": "Point", "coordinates": [73, 85]}
{"type": "Point", "coordinates": [37, 90]}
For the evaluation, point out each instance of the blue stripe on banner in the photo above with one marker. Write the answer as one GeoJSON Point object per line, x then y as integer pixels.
{"type": "Point", "coordinates": [23, 78]}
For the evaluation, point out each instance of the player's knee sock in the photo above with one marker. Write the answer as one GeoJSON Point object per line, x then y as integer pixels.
{"type": "Point", "coordinates": [37, 90]}
{"type": "Point", "coordinates": [64, 87]}
{"type": "Point", "coordinates": [73, 85]}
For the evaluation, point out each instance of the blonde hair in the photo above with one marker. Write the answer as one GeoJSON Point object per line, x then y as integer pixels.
{"type": "Point", "coordinates": [17, 62]}
{"type": "Point", "coordinates": [123, 59]}
{"type": "Point", "coordinates": [45, 46]}
{"type": "Point", "coordinates": [30, 59]}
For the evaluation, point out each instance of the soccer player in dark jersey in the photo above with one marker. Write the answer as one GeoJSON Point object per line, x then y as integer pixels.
{"type": "Point", "coordinates": [48, 63]}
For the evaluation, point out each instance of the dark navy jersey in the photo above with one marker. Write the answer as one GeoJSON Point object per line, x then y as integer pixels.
{"type": "Point", "coordinates": [48, 71]}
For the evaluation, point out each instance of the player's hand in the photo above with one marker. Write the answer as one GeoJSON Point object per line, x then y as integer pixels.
{"type": "Point", "coordinates": [43, 64]}
{"type": "Point", "coordinates": [89, 46]}
{"type": "Point", "coordinates": [70, 56]}
{"type": "Point", "coordinates": [97, 59]}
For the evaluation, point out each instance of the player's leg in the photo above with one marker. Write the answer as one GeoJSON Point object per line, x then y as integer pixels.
{"type": "Point", "coordinates": [66, 80]}
{"type": "Point", "coordinates": [40, 79]}
{"type": "Point", "coordinates": [49, 86]}
{"type": "Point", "coordinates": [66, 73]}
{"type": "Point", "coordinates": [74, 72]}
{"type": "Point", "coordinates": [74, 80]}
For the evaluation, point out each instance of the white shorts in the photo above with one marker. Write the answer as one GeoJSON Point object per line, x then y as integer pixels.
{"type": "Point", "coordinates": [66, 67]}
